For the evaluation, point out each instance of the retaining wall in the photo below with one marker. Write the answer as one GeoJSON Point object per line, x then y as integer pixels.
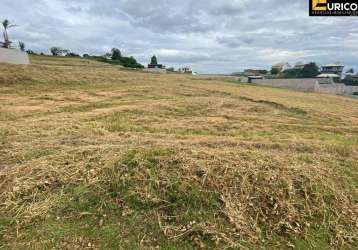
{"type": "Point", "coordinates": [321, 85]}
{"type": "Point", "coordinates": [337, 89]}
{"type": "Point", "coordinates": [159, 71]}
{"type": "Point", "coordinates": [309, 85]}
{"type": "Point", "coordinates": [13, 56]}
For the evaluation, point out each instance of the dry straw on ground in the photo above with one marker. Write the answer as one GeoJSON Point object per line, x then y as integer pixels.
{"type": "Point", "coordinates": [95, 156]}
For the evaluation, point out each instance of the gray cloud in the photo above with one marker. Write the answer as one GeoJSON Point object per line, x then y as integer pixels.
{"type": "Point", "coordinates": [210, 35]}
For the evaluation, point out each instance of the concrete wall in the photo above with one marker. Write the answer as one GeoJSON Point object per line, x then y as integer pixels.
{"type": "Point", "coordinates": [159, 71]}
{"type": "Point", "coordinates": [310, 84]}
{"type": "Point", "coordinates": [321, 85]}
{"type": "Point", "coordinates": [13, 56]}
{"type": "Point", "coordinates": [337, 89]}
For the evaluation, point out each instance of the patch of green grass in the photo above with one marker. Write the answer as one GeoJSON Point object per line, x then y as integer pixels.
{"type": "Point", "coordinates": [147, 182]}
{"type": "Point", "coordinates": [265, 133]}
{"type": "Point", "coordinates": [316, 239]}
{"type": "Point", "coordinates": [42, 98]}
{"type": "Point", "coordinates": [85, 107]}
{"type": "Point", "coordinates": [126, 122]}
{"type": "Point", "coordinates": [7, 116]}
{"type": "Point", "coordinates": [34, 153]}
{"type": "Point", "coordinates": [134, 231]}
{"type": "Point", "coordinates": [187, 111]}
{"type": "Point", "coordinates": [153, 169]}
{"type": "Point", "coordinates": [123, 208]}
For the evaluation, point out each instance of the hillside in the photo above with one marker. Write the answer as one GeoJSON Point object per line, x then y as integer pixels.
{"type": "Point", "coordinates": [94, 156]}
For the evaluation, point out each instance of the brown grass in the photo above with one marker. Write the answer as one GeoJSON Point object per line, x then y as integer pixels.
{"type": "Point", "coordinates": [95, 156]}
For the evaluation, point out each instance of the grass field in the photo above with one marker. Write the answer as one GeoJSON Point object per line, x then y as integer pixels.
{"type": "Point", "coordinates": [93, 156]}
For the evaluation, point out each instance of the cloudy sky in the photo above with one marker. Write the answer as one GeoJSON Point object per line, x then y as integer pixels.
{"type": "Point", "coordinates": [212, 36]}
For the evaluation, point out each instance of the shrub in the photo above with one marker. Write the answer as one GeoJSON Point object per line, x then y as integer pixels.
{"type": "Point", "coordinates": [129, 62]}
{"type": "Point", "coordinates": [31, 52]}
{"type": "Point", "coordinates": [349, 80]}
{"type": "Point", "coordinates": [73, 54]}
{"type": "Point", "coordinates": [22, 46]}
{"type": "Point", "coordinates": [309, 71]}
{"type": "Point", "coordinates": [57, 51]}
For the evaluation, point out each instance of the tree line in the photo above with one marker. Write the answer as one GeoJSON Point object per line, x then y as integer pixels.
{"type": "Point", "coordinates": [309, 70]}
{"type": "Point", "coordinates": [113, 57]}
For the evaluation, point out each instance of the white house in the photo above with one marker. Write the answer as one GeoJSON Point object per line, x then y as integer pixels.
{"type": "Point", "coordinates": [282, 66]}
{"type": "Point", "coordinates": [335, 68]}
{"type": "Point", "coordinates": [186, 70]}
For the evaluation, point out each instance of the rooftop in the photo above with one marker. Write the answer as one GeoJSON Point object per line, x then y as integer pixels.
{"type": "Point", "coordinates": [328, 76]}
{"type": "Point", "coordinates": [333, 65]}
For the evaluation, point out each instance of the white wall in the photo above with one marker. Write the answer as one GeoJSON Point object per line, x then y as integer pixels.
{"type": "Point", "coordinates": [338, 89]}
{"type": "Point", "coordinates": [296, 84]}
{"type": "Point", "coordinates": [321, 85]}
{"type": "Point", "coordinates": [13, 56]}
{"type": "Point", "coordinates": [155, 70]}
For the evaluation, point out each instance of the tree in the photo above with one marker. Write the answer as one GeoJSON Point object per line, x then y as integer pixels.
{"type": "Point", "coordinates": [130, 62]}
{"type": "Point", "coordinates": [275, 71]}
{"type": "Point", "coordinates": [6, 25]}
{"type": "Point", "coordinates": [57, 51]}
{"type": "Point", "coordinates": [115, 57]}
{"type": "Point", "coordinates": [22, 46]}
{"type": "Point", "coordinates": [116, 54]}
{"type": "Point", "coordinates": [108, 55]}
{"type": "Point", "coordinates": [310, 70]}
{"type": "Point", "coordinates": [350, 80]}
{"type": "Point", "coordinates": [350, 71]}
{"type": "Point", "coordinates": [30, 52]}
{"type": "Point", "coordinates": [291, 73]}
{"type": "Point", "coordinates": [154, 60]}
{"type": "Point", "coordinates": [262, 71]}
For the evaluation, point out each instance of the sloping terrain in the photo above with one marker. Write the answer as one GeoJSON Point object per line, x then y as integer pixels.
{"type": "Point", "coordinates": [97, 157]}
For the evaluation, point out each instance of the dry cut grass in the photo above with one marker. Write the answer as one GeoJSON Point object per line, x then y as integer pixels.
{"type": "Point", "coordinates": [97, 157]}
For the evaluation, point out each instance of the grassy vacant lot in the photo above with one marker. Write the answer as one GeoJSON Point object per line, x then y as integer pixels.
{"type": "Point", "coordinates": [93, 156]}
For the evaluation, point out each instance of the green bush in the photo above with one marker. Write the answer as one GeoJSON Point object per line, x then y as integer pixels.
{"type": "Point", "coordinates": [309, 71]}
{"type": "Point", "coordinates": [349, 80]}
{"type": "Point", "coordinates": [128, 62]}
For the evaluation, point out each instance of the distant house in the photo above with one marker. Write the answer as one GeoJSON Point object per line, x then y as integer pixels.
{"type": "Point", "coordinates": [251, 78]}
{"type": "Point", "coordinates": [186, 70]}
{"type": "Point", "coordinates": [282, 66]}
{"type": "Point", "coordinates": [156, 66]}
{"type": "Point", "coordinates": [336, 68]}
{"type": "Point", "coordinates": [299, 65]}
{"type": "Point", "coordinates": [254, 72]}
